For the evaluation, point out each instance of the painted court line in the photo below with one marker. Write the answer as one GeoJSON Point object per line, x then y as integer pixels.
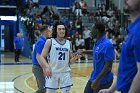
{"type": "Point", "coordinates": [25, 81]}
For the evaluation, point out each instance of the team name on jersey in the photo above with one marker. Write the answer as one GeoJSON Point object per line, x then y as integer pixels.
{"type": "Point", "coordinates": [61, 49]}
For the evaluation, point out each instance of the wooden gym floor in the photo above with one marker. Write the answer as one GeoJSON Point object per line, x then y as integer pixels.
{"type": "Point", "coordinates": [18, 77]}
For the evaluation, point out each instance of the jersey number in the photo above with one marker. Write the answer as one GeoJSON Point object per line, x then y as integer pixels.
{"type": "Point", "coordinates": [61, 56]}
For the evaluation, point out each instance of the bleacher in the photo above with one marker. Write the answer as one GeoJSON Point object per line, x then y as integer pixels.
{"type": "Point", "coordinates": [56, 9]}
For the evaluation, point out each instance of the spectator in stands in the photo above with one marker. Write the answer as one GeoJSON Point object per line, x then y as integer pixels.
{"type": "Point", "coordinates": [103, 7]}
{"type": "Point", "coordinates": [86, 36]}
{"type": "Point", "coordinates": [55, 17]}
{"type": "Point", "coordinates": [78, 25]}
{"type": "Point", "coordinates": [18, 46]}
{"type": "Point", "coordinates": [39, 20]}
{"type": "Point", "coordinates": [44, 20]}
{"type": "Point", "coordinates": [81, 2]}
{"type": "Point", "coordinates": [46, 12]}
{"type": "Point", "coordinates": [79, 42]}
{"type": "Point", "coordinates": [109, 12]}
{"type": "Point", "coordinates": [35, 2]}
{"type": "Point", "coordinates": [50, 22]}
{"type": "Point", "coordinates": [91, 16]}
{"type": "Point", "coordinates": [78, 10]}
{"type": "Point", "coordinates": [84, 8]}
{"type": "Point", "coordinates": [119, 40]}
{"type": "Point", "coordinates": [71, 29]}
{"type": "Point", "coordinates": [116, 28]}
{"type": "Point", "coordinates": [65, 20]}
{"type": "Point", "coordinates": [99, 6]}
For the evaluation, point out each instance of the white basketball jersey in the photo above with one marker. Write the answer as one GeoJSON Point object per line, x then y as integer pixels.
{"type": "Point", "coordinates": [59, 56]}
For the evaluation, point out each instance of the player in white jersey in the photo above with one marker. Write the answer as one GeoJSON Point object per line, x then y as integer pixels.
{"type": "Point", "coordinates": [57, 69]}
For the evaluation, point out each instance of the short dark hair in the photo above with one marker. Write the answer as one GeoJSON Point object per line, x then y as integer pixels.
{"type": "Point", "coordinates": [54, 33]}
{"type": "Point", "coordinates": [43, 28]}
{"type": "Point", "coordinates": [100, 27]}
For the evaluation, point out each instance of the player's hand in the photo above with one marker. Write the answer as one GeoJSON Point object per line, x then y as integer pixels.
{"type": "Point", "coordinates": [95, 84]}
{"type": "Point", "coordinates": [105, 91]}
{"type": "Point", "coordinates": [47, 72]}
{"type": "Point", "coordinates": [80, 51]}
{"type": "Point", "coordinates": [76, 55]}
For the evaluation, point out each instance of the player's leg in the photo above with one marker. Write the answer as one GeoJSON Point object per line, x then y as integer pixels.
{"type": "Point", "coordinates": [52, 84]}
{"type": "Point", "coordinates": [40, 79]}
{"type": "Point", "coordinates": [16, 54]}
{"type": "Point", "coordinates": [103, 86]}
{"type": "Point", "coordinates": [65, 82]}
{"type": "Point", "coordinates": [65, 90]}
{"type": "Point", "coordinates": [51, 91]}
{"type": "Point", "coordinates": [19, 52]}
{"type": "Point", "coordinates": [88, 88]}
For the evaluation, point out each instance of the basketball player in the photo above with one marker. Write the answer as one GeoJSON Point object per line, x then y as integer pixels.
{"type": "Point", "coordinates": [37, 70]}
{"type": "Point", "coordinates": [129, 66]}
{"type": "Point", "coordinates": [57, 68]}
{"type": "Point", "coordinates": [103, 55]}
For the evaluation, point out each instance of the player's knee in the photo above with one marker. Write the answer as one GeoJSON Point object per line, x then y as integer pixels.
{"type": "Point", "coordinates": [51, 91]}
{"type": "Point", "coordinates": [66, 90]}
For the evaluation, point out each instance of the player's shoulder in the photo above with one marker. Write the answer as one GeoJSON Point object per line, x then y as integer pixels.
{"type": "Point", "coordinates": [108, 43]}
{"type": "Point", "coordinates": [67, 40]}
{"type": "Point", "coordinates": [49, 40]}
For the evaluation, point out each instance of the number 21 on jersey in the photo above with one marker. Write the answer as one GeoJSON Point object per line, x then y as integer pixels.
{"type": "Point", "coordinates": [61, 56]}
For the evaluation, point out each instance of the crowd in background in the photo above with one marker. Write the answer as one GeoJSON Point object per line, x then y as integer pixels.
{"type": "Point", "coordinates": [111, 18]}
{"type": "Point", "coordinates": [77, 32]}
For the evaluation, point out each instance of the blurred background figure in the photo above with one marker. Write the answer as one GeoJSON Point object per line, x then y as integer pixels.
{"type": "Point", "coordinates": [18, 46]}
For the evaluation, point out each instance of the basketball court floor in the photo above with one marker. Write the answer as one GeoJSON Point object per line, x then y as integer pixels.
{"type": "Point", "coordinates": [18, 77]}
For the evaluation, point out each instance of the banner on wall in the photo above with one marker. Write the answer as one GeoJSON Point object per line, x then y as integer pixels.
{"type": "Point", "coordinates": [58, 3]}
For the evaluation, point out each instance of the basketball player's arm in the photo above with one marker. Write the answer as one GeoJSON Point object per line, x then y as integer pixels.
{"type": "Point", "coordinates": [43, 62]}
{"type": "Point", "coordinates": [78, 54]}
{"type": "Point", "coordinates": [109, 90]}
{"type": "Point", "coordinates": [135, 86]}
{"type": "Point", "coordinates": [108, 57]}
{"type": "Point", "coordinates": [73, 56]}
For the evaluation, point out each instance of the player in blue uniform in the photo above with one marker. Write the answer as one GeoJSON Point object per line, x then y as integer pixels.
{"type": "Point", "coordinates": [129, 66]}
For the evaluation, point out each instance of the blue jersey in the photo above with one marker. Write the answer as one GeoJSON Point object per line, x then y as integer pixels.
{"type": "Point", "coordinates": [103, 51]}
{"type": "Point", "coordinates": [38, 49]}
{"type": "Point", "coordinates": [130, 54]}
{"type": "Point", "coordinates": [18, 42]}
